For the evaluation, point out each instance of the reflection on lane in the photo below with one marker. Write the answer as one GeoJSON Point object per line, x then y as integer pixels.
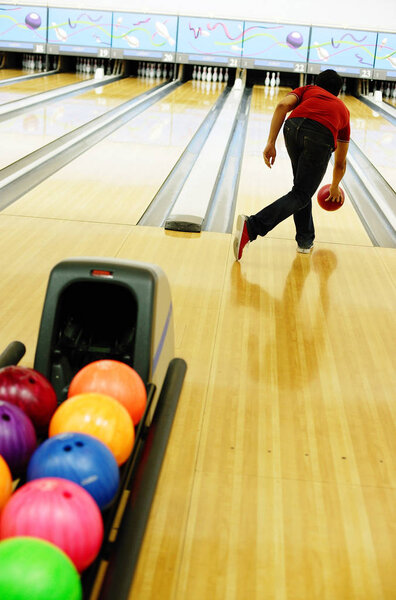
{"type": "Point", "coordinates": [31, 130]}
{"type": "Point", "coordinates": [375, 136]}
{"type": "Point", "coordinates": [37, 85]}
{"type": "Point", "coordinates": [115, 180]}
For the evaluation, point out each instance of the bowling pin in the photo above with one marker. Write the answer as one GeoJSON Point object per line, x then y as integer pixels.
{"type": "Point", "coordinates": [162, 31]}
{"type": "Point", "coordinates": [392, 61]}
{"type": "Point", "coordinates": [204, 74]}
{"type": "Point", "coordinates": [158, 71]}
{"type": "Point", "coordinates": [321, 52]}
{"type": "Point", "coordinates": [226, 75]}
{"type": "Point", "coordinates": [214, 78]}
{"type": "Point", "coordinates": [209, 74]}
{"type": "Point", "coordinates": [199, 75]}
{"type": "Point", "coordinates": [132, 41]}
{"type": "Point", "coordinates": [277, 80]}
{"type": "Point", "coordinates": [60, 33]}
{"type": "Point", "coordinates": [194, 73]}
{"type": "Point", "coordinates": [221, 74]}
{"type": "Point", "coordinates": [267, 79]}
{"type": "Point", "coordinates": [273, 79]}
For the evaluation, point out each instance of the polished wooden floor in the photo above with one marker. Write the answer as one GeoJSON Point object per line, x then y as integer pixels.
{"type": "Point", "coordinates": [279, 480]}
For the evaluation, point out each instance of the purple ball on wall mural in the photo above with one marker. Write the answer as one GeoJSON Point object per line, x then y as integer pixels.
{"type": "Point", "coordinates": [33, 20]}
{"type": "Point", "coordinates": [294, 39]}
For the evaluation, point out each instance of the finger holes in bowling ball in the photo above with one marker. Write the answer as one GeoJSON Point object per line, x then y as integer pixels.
{"type": "Point", "coordinates": [6, 417]}
{"type": "Point", "coordinates": [67, 448]}
{"type": "Point", "coordinates": [67, 495]}
{"type": "Point", "coordinates": [32, 380]}
{"type": "Point", "coordinates": [79, 444]}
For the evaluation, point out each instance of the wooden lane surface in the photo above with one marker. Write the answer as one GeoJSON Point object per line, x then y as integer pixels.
{"type": "Point", "coordinates": [116, 180]}
{"type": "Point", "coordinates": [259, 186]}
{"type": "Point", "coordinates": [279, 477]}
{"type": "Point", "coordinates": [38, 85]}
{"type": "Point", "coordinates": [11, 73]}
{"type": "Point", "coordinates": [41, 125]}
{"type": "Point", "coordinates": [375, 136]}
{"type": "Point", "coordinates": [29, 248]}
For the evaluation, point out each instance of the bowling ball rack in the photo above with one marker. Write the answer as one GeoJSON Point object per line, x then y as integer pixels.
{"type": "Point", "coordinates": [126, 518]}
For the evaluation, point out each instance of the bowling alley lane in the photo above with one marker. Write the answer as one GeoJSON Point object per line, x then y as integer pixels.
{"type": "Point", "coordinates": [259, 186]}
{"type": "Point", "coordinates": [38, 126]}
{"type": "Point", "coordinates": [116, 180]}
{"type": "Point", "coordinates": [10, 73]}
{"type": "Point", "coordinates": [290, 431]}
{"type": "Point", "coordinates": [375, 136]}
{"type": "Point", "coordinates": [37, 85]}
{"type": "Point", "coordinates": [29, 248]}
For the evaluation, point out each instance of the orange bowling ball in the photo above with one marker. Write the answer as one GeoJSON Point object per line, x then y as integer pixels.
{"type": "Point", "coordinates": [112, 378]}
{"type": "Point", "coordinates": [323, 193]}
{"type": "Point", "coordinates": [100, 416]}
{"type": "Point", "coordinates": [5, 482]}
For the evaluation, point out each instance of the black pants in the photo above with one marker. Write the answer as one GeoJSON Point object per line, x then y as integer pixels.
{"type": "Point", "coordinates": [309, 145]}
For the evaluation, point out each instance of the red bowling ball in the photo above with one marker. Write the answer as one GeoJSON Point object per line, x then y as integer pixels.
{"type": "Point", "coordinates": [30, 391]}
{"type": "Point", "coordinates": [329, 204]}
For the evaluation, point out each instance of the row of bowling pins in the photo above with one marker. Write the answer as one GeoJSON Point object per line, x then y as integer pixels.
{"type": "Point", "coordinates": [206, 87]}
{"type": "Point", "coordinates": [33, 62]}
{"type": "Point", "coordinates": [89, 65]}
{"type": "Point", "coordinates": [207, 74]}
{"type": "Point", "coordinates": [273, 80]}
{"type": "Point", "coordinates": [155, 71]}
{"type": "Point", "coordinates": [387, 89]}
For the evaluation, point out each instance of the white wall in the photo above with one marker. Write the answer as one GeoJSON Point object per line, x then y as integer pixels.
{"type": "Point", "coordinates": [378, 15]}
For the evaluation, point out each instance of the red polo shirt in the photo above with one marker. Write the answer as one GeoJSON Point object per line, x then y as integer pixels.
{"type": "Point", "coordinates": [319, 105]}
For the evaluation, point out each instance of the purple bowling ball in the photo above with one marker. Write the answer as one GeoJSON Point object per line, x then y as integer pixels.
{"type": "Point", "coordinates": [17, 437]}
{"type": "Point", "coordinates": [294, 40]}
{"type": "Point", "coordinates": [33, 20]}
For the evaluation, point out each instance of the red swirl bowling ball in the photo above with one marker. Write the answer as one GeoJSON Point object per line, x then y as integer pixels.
{"type": "Point", "coordinates": [31, 392]}
{"type": "Point", "coordinates": [329, 205]}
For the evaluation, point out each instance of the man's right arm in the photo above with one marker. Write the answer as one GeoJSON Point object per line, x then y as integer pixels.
{"type": "Point", "coordinates": [339, 169]}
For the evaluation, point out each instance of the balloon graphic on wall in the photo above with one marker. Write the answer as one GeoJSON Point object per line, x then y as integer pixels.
{"type": "Point", "coordinates": [33, 20]}
{"type": "Point", "coordinates": [294, 40]}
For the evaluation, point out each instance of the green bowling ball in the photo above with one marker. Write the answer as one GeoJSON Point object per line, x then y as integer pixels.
{"type": "Point", "coordinates": [33, 569]}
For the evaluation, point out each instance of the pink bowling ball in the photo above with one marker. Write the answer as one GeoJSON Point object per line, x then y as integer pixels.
{"type": "Point", "coordinates": [59, 511]}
